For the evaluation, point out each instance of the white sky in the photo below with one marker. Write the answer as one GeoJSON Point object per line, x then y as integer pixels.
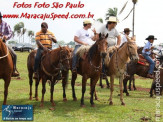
{"type": "Point", "coordinates": [148, 17]}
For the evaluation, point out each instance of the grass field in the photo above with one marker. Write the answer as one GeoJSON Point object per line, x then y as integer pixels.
{"type": "Point", "coordinates": [138, 104]}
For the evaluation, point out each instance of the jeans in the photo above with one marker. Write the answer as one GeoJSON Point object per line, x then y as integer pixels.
{"type": "Point", "coordinates": [151, 62]}
{"type": "Point", "coordinates": [38, 59]}
{"type": "Point", "coordinates": [13, 55]}
{"type": "Point", "coordinates": [75, 57]}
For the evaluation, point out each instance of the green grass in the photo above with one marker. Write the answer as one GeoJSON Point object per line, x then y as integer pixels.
{"type": "Point", "coordinates": [138, 104]}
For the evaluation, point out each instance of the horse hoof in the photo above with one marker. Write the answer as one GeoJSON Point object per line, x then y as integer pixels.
{"type": "Point", "coordinates": [83, 106]}
{"type": "Point", "coordinates": [118, 94]}
{"type": "Point", "coordinates": [74, 99]}
{"type": "Point", "coordinates": [4, 103]}
{"type": "Point", "coordinates": [127, 94]}
{"type": "Point", "coordinates": [135, 89]}
{"type": "Point", "coordinates": [102, 86]}
{"type": "Point", "coordinates": [37, 99]}
{"type": "Point", "coordinates": [93, 105]}
{"type": "Point", "coordinates": [53, 104]}
{"type": "Point", "coordinates": [96, 98]}
{"type": "Point", "coordinates": [64, 99]}
{"type": "Point", "coordinates": [151, 95]}
{"type": "Point", "coordinates": [30, 98]}
{"type": "Point", "coordinates": [111, 103]}
{"type": "Point", "coordinates": [123, 103]}
{"type": "Point", "coordinates": [108, 87]}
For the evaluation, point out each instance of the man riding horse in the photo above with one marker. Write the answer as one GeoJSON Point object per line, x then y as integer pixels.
{"type": "Point", "coordinates": [6, 34]}
{"type": "Point", "coordinates": [44, 40]}
{"type": "Point", "coordinates": [84, 36]}
{"type": "Point", "coordinates": [147, 52]}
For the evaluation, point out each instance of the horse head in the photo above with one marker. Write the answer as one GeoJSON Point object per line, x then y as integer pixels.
{"type": "Point", "coordinates": [132, 49]}
{"type": "Point", "coordinates": [102, 44]}
{"type": "Point", "coordinates": [65, 55]}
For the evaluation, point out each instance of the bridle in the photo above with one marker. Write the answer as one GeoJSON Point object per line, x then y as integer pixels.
{"type": "Point", "coordinates": [58, 69]}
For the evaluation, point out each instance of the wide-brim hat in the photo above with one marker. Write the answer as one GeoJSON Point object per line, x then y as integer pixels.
{"type": "Point", "coordinates": [87, 21]}
{"type": "Point", "coordinates": [127, 30]}
{"type": "Point", "coordinates": [151, 37]}
{"type": "Point", "coordinates": [112, 19]}
{"type": "Point", "coordinates": [1, 15]}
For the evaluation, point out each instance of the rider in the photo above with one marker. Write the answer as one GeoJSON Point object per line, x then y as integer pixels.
{"type": "Point", "coordinates": [146, 52]}
{"type": "Point", "coordinates": [6, 34]}
{"type": "Point", "coordinates": [114, 38]}
{"type": "Point", "coordinates": [83, 36]}
{"type": "Point", "coordinates": [127, 33]}
{"type": "Point", "coordinates": [44, 40]}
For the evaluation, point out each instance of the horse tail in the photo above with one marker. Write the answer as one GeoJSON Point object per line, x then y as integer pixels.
{"type": "Point", "coordinates": [65, 75]}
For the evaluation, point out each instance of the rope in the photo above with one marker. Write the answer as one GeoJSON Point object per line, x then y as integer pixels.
{"type": "Point", "coordinates": [6, 54]}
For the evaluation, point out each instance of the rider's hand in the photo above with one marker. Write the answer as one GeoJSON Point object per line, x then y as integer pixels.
{"type": "Point", "coordinates": [4, 38]}
{"type": "Point", "coordinates": [1, 34]}
{"type": "Point", "coordinates": [117, 46]}
{"type": "Point", "coordinates": [94, 31]}
{"type": "Point", "coordinates": [85, 44]}
{"type": "Point", "coordinates": [45, 49]}
{"type": "Point", "coordinates": [152, 47]}
{"type": "Point", "coordinates": [50, 36]}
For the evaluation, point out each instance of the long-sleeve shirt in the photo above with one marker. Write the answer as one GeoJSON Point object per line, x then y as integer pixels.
{"type": "Point", "coordinates": [5, 30]}
{"type": "Point", "coordinates": [147, 46]}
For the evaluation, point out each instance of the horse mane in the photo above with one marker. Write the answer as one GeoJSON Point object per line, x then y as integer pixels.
{"type": "Point", "coordinates": [82, 50]}
{"type": "Point", "coordinates": [92, 51]}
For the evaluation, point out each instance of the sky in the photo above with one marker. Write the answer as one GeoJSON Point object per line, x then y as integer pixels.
{"type": "Point", "coordinates": [148, 17]}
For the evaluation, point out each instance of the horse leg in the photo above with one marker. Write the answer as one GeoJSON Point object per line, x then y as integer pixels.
{"type": "Point", "coordinates": [64, 83]}
{"type": "Point", "coordinates": [125, 86]}
{"type": "Point", "coordinates": [152, 88]}
{"type": "Point", "coordinates": [101, 81]}
{"type": "Point", "coordinates": [6, 85]}
{"type": "Point", "coordinates": [93, 85]}
{"type": "Point", "coordinates": [51, 91]}
{"type": "Point", "coordinates": [30, 83]}
{"type": "Point", "coordinates": [37, 81]}
{"type": "Point", "coordinates": [121, 90]}
{"type": "Point", "coordinates": [74, 76]}
{"type": "Point", "coordinates": [107, 83]}
{"type": "Point", "coordinates": [84, 80]}
{"type": "Point", "coordinates": [111, 89]}
{"type": "Point", "coordinates": [96, 98]}
{"type": "Point", "coordinates": [43, 90]}
{"type": "Point", "coordinates": [134, 83]}
{"type": "Point", "coordinates": [129, 87]}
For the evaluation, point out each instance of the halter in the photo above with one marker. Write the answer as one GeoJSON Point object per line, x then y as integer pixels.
{"type": "Point", "coordinates": [6, 54]}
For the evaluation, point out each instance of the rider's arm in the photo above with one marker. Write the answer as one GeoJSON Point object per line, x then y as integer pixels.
{"type": "Point", "coordinates": [118, 40]}
{"type": "Point", "coordinates": [76, 39]}
{"type": "Point", "coordinates": [8, 33]}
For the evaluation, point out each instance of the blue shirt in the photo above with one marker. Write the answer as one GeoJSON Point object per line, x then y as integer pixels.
{"type": "Point", "coordinates": [148, 45]}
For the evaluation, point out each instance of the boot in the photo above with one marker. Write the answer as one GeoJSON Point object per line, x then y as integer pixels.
{"type": "Point", "coordinates": [15, 73]}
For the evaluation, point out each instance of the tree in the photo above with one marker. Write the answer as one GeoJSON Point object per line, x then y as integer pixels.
{"type": "Point", "coordinates": [17, 29]}
{"type": "Point", "coordinates": [30, 35]}
{"type": "Point", "coordinates": [100, 20]}
{"type": "Point", "coordinates": [61, 42]}
{"type": "Point", "coordinates": [111, 12]}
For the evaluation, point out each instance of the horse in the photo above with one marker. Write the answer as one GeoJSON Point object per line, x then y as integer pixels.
{"type": "Point", "coordinates": [6, 68]}
{"type": "Point", "coordinates": [117, 65]}
{"type": "Point", "coordinates": [141, 69]}
{"type": "Point", "coordinates": [51, 64]}
{"type": "Point", "coordinates": [90, 67]}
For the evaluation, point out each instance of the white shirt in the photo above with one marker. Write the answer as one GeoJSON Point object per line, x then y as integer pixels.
{"type": "Point", "coordinates": [124, 39]}
{"type": "Point", "coordinates": [112, 35]}
{"type": "Point", "coordinates": [148, 45]}
{"type": "Point", "coordinates": [85, 36]}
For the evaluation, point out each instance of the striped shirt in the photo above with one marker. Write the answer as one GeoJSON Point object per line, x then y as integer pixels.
{"type": "Point", "coordinates": [44, 38]}
{"type": "Point", "coordinates": [5, 30]}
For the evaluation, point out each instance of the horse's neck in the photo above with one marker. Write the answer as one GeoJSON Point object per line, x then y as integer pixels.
{"type": "Point", "coordinates": [3, 50]}
{"type": "Point", "coordinates": [122, 54]}
{"type": "Point", "coordinates": [96, 59]}
{"type": "Point", "coordinates": [55, 56]}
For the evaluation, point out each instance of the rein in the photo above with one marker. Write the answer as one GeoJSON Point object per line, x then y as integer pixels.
{"type": "Point", "coordinates": [6, 54]}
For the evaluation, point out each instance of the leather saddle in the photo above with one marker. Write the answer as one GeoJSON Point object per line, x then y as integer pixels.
{"type": "Point", "coordinates": [142, 60]}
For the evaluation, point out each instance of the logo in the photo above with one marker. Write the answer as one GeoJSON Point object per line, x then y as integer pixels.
{"type": "Point", "coordinates": [17, 112]}
{"type": "Point", "coordinates": [87, 35]}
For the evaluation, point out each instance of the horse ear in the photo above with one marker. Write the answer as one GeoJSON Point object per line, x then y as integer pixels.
{"type": "Point", "coordinates": [60, 47]}
{"type": "Point", "coordinates": [133, 38]}
{"type": "Point", "coordinates": [106, 36]}
{"type": "Point", "coordinates": [128, 39]}
{"type": "Point", "coordinates": [99, 35]}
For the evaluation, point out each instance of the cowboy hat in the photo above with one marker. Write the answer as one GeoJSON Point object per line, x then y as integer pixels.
{"type": "Point", "coordinates": [112, 19]}
{"type": "Point", "coordinates": [151, 37]}
{"type": "Point", "coordinates": [87, 22]}
{"type": "Point", "coordinates": [127, 30]}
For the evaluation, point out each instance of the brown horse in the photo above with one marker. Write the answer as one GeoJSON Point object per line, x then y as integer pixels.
{"type": "Point", "coordinates": [117, 65]}
{"type": "Point", "coordinates": [6, 68]}
{"type": "Point", "coordinates": [90, 67]}
{"type": "Point", "coordinates": [53, 62]}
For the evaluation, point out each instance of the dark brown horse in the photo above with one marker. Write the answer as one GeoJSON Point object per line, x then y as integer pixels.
{"type": "Point", "coordinates": [52, 63]}
{"type": "Point", "coordinates": [90, 67]}
{"type": "Point", "coordinates": [6, 68]}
